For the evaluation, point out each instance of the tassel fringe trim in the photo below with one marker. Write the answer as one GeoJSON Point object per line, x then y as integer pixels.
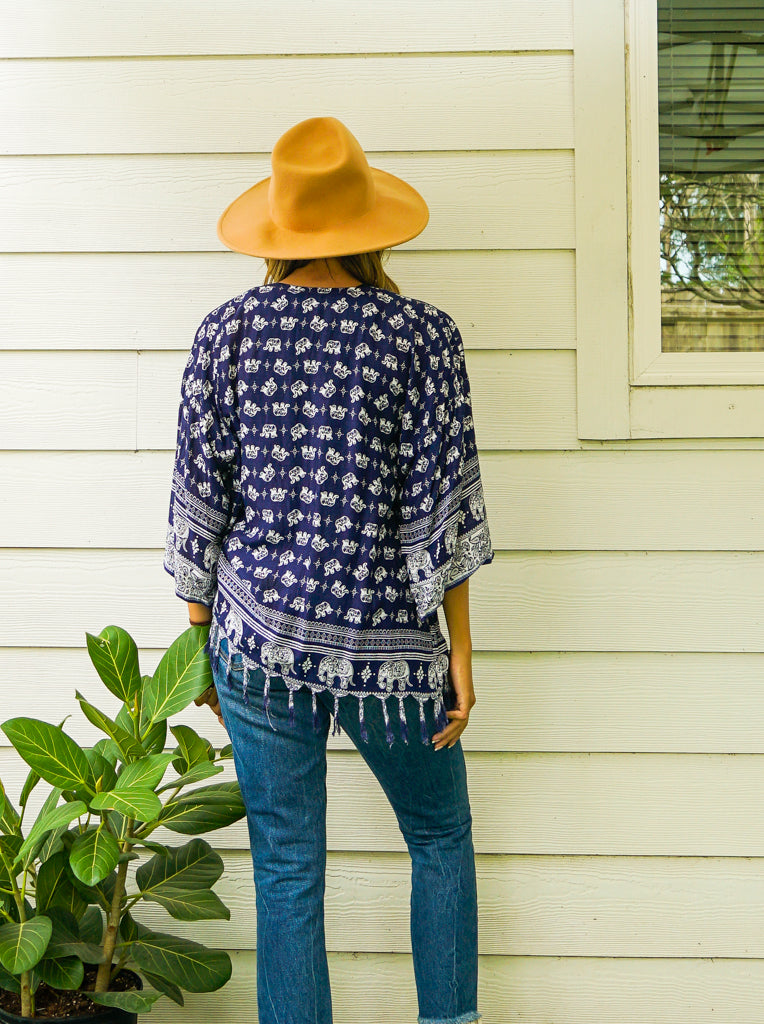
{"type": "Point", "coordinates": [214, 649]}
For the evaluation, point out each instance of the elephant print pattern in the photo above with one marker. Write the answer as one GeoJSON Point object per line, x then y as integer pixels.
{"type": "Point", "coordinates": [326, 489]}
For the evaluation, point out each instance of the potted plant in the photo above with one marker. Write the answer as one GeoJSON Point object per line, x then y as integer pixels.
{"type": "Point", "coordinates": [68, 938]}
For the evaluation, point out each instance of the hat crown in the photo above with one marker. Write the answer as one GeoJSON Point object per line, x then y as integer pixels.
{"type": "Point", "coordinates": [320, 177]}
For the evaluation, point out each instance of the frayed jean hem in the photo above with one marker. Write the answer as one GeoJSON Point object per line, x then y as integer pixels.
{"type": "Point", "coordinates": [465, 1018]}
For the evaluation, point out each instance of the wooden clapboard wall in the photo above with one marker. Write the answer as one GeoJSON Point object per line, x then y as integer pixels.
{"type": "Point", "coordinates": [614, 754]}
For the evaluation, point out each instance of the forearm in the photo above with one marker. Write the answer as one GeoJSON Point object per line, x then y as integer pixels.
{"type": "Point", "coordinates": [198, 613]}
{"type": "Point", "coordinates": [456, 605]}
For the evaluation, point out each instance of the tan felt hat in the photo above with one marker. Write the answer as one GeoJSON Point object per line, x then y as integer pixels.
{"type": "Point", "coordinates": [322, 199]}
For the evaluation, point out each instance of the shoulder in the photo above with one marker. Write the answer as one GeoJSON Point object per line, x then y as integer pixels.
{"type": "Point", "coordinates": [426, 311]}
{"type": "Point", "coordinates": [224, 320]}
{"type": "Point", "coordinates": [236, 305]}
{"type": "Point", "coordinates": [435, 332]}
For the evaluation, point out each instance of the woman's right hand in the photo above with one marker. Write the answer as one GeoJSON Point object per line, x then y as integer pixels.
{"type": "Point", "coordinates": [210, 696]}
{"type": "Point", "coordinates": [460, 671]}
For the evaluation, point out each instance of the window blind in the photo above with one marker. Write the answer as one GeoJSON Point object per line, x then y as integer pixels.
{"type": "Point", "coordinates": [711, 164]}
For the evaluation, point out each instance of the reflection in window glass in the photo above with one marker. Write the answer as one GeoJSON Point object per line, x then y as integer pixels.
{"type": "Point", "coordinates": [711, 114]}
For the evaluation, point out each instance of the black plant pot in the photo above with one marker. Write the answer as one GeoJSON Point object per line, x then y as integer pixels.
{"type": "Point", "coordinates": [108, 1015]}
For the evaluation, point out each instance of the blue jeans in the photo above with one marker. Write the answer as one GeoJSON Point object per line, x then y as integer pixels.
{"type": "Point", "coordinates": [281, 770]}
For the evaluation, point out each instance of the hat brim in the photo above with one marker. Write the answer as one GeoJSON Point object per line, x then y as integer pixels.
{"type": "Point", "coordinates": [399, 214]}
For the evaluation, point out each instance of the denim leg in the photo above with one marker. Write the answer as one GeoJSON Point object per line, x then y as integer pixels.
{"type": "Point", "coordinates": [427, 789]}
{"type": "Point", "coordinates": [282, 775]}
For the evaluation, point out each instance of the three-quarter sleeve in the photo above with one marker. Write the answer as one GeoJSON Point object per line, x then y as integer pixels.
{"type": "Point", "coordinates": [201, 492]}
{"type": "Point", "coordinates": [443, 526]}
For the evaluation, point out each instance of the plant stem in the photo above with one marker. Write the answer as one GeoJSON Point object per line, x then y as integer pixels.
{"type": "Point", "coordinates": [131, 903]}
{"type": "Point", "coordinates": [143, 832]}
{"type": "Point", "coordinates": [112, 927]}
{"type": "Point", "coordinates": [27, 1006]}
{"type": "Point", "coordinates": [121, 963]}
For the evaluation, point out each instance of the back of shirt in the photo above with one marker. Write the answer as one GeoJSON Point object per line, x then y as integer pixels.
{"type": "Point", "coordinates": [326, 488]}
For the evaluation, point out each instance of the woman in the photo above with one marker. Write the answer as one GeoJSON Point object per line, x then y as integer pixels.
{"type": "Point", "coordinates": [326, 499]}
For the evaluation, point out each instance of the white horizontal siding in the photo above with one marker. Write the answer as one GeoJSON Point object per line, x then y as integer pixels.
{"type": "Point", "coordinates": [531, 905]}
{"type": "Point", "coordinates": [513, 101]}
{"type": "Point", "coordinates": [532, 802]}
{"type": "Point", "coordinates": [535, 600]}
{"type": "Point", "coordinates": [534, 989]}
{"type": "Point", "coordinates": [501, 299]}
{"type": "Point", "coordinates": [89, 28]}
{"type": "Point", "coordinates": [57, 400]}
{"type": "Point", "coordinates": [538, 499]}
{"type": "Point", "coordinates": [522, 199]}
{"type": "Point", "coordinates": [552, 701]}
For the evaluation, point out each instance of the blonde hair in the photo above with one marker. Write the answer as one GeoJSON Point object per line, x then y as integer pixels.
{"type": "Point", "coordinates": [366, 266]}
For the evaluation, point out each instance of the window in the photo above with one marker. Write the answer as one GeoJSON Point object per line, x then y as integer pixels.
{"type": "Point", "coordinates": [711, 165]}
{"type": "Point", "coordinates": [669, 191]}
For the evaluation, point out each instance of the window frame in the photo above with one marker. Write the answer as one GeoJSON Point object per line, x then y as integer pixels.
{"type": "Point", "coordinates": [627, 386]}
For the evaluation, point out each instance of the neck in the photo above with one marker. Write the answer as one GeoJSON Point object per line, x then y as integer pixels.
{"type": "Point", "coordinates": [327, 272]}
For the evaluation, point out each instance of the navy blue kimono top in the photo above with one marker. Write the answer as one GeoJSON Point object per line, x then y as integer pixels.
{"type": "Point", "coordinates": [326, 490]}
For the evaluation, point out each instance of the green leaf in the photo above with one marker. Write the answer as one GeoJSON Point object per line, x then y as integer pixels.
{"type": "Point", "coordinates": [9, 849]}
{"type": "Point", "coordinates": [65, 929]}
{"type": "Point", "coordinates": [31, 781]}
{"type": "Point", "coordinates": [90, 893]}
{"type": "Point", "coordinates": [56, 839]}
{"type": "Point", "coordinates": [94, 855]}
{"type": "Point", "coordinates": [23, 945]}
{"type": "Point", "coordinates": [195, 865]}
{"type": "Point", "coordinates": [102, 769]}
{"type": "Point", "coordinates": [137, 802]}
{"type": "Point", "coordinates": [159, 848]}
{"type": "Point", "coordinates": [51, 801]}
{"type": "Point", "coordinates": [108, 749]}
{"type": "Point", "coordinates": [57, 817]}
{"type": "Point", "coordinates": [128, 855]}
{"type": "Point", "coordinates": [226, 751]}
{"type": "Point", "coordinates": [183, 673]}
{"type": "Point", "coordinates": [66, 972]}
{"type": "Point", "coordinates": [201, 905]}
{"type": "Point", "coordinates": [154, 740]}
{"type": "Point", "coordinates": [29, 911]}
{"type": "Point", "coordinates": [187, 964]}
{"type": "Point", "coordinates": [117, 821]}
{"type": "Point", "coordinates": [204, 809]}
{"type": "Point", "coordinates": [191, 749]}
{"type": "Point", "coordinates": [10, 820]}
{"type": "Point", "coordinates": [104, 890]}
{"type": "Point", "coordinates": [91, 926]}
{"type": "Point", "coordinates": [125, 720]}
{"type": "Point", "coordinates": [128, 745]}
{"type": "Point", "coordinates": [115, 656]}
{"type": "Point", "coordinates": [11, 984]}
{"type": "Point", "coordinates": [66, 941]}
{"type": "Point", "coordinates": [198, 773]}
{"type": "Point", "coordinates": [165, 986]}
{"type": "Point", "coordinates": [130, 929]}
{"type": "Point", "coordinates": [53, 755]}
{"type": "Point", "coordinates": [52, 843]}
{"type": "Point", "coordinates": [133, 1001]}
{"type": "Point", "coordinates": [55, 888]}
{"type": "Point", "coordinates": [146, 772]}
